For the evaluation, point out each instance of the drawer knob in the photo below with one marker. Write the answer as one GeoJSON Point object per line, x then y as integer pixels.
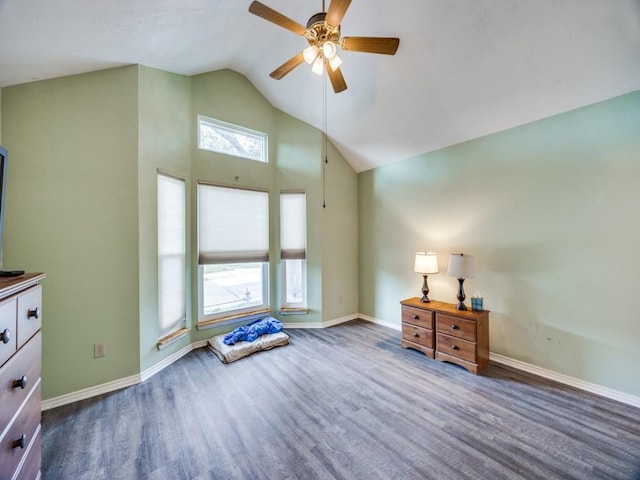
{"type": "Point", "coordinates": [455, 347]}
{"type": "Point", "coordinates": [416, 335]}
{"type": "Point", "coordinates": [455, 327]}
{"type": "Point", "coordinates": [415, 317]}
{"type": "Point", "coordinates": [21, 442]}
{"type": "Point", "coordinates": [34, 313]}
{"type": "Point", "coordinates": [5, 336]}
{"type": "Point", "coordinates": [21, 382]}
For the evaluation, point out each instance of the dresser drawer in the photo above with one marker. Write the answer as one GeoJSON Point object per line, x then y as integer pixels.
{"type": "Point", "coordinates": [29, 314]}
{"type": "Point", "coordinates": [419, 335]}
{"type": "Point", "coordinates": [26, 423]}
{"type": "Point", "coordinates": [456, 327]}
{"type": "Point", "coordinates": [7, 329]}
{"type": "Point", "coordinates": [417, 316]}
{"type": "Point", "coordinates": [456, 347]}
{"type": "Point", "coordinates": [31, 466]}
{"type": "Point", "coordinates": [25, 365]}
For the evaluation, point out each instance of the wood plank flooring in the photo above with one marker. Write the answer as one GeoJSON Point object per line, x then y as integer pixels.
{"type": "Point", "coordinates": [345, 402]}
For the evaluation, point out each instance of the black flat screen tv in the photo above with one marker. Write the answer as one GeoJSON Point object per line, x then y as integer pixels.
{"type": "Point", "coordinates": [3, 184]}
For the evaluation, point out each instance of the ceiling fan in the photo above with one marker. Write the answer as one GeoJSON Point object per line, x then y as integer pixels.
{"type": "Point", "coordinates": [323, 35]}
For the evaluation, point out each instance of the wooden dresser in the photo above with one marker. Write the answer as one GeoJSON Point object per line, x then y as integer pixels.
{"type": "Point", "coordinates": [20, 364]}
{"type": "Point", "coordinates": [446, 334]}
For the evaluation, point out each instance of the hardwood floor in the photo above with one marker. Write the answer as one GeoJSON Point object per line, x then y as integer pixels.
{"type": "Point", "coordinates": [341, 403]}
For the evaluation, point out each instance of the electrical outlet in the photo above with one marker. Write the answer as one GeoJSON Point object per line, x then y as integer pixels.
{"type": "Point", "coordinates": [99, 350]}
{"type": "Point", "coordinates": [340, 299]}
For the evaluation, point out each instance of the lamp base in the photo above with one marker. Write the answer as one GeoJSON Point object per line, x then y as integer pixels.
{"type": "Point", "coordinates": [425, 290]}
{"type": "Point", "coordinates": [461, 296]}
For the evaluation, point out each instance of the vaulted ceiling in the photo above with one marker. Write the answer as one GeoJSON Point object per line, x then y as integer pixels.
{"type": "Point", "coordinates": [464, 69]}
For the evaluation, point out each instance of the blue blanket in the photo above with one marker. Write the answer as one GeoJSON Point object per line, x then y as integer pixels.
{"type": "Point", "coordinates": [251, 332]}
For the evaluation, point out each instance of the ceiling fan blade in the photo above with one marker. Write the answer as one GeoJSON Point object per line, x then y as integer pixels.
{"type": "Point", "coordinates": [337, 80]}
{"type": "Point", "coordinates": [269, 14]}
{"type": "Point", "coordinates": [336, 11]}
{"type": "Point", "coordinates": [384, 45]}
{"type": "Point", "coordinates": [287, 66]}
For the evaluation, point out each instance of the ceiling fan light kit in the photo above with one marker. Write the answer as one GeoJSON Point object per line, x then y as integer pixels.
{"type": "Point", "coordinates": [323, 35]}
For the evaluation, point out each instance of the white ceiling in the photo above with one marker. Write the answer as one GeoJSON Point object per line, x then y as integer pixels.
{"type": "Point", "coordinates": [465, 68]}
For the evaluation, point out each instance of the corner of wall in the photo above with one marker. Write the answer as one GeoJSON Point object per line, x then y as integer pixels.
{"type": "Point", "coordinates": [339, 238]}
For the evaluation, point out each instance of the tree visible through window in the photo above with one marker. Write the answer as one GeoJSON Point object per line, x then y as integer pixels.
{"type": "Point", "coordinates": [223, 137]}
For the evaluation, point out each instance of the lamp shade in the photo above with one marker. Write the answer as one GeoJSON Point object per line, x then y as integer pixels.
{"type": "Point", "coordinates": [462, 266]}
{"type": "Point", "coordinates": [426, 262]}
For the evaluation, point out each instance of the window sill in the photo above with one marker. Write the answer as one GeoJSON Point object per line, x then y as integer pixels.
{"type": "Point", "coordinates": [172, 338]}
{"type": "Point", "coordinates": [248, 316]}
{"type": "Point", "coordinates": [294, 311]}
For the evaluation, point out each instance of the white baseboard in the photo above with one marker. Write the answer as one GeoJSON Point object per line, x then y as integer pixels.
{"type": "Point", "coordinates": [377, 321]}
{"type": "Point", "coordinates": [121, 383]}
{"type": "Point", "coordinates": [567, 380]}
{"type": "Point", "coordinates": [497, 358]}
{"type": "Point", "coordinates": [150, 372]}
{"type": "Point", "coordinates": [91, 392]}
{"type": "Point", "coordinates": [328, 323]}
{"type": "Point", "coordinates": [542, 372]}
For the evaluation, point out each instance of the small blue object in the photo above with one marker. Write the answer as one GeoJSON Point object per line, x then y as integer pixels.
{"type": "Point", "coordinates": [251, 332]}
{"type": "Point", "coordinates": [476, 304]}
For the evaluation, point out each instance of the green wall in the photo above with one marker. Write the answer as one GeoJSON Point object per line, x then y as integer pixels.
{"type": "Point", "coordinates": [85, 150]}
{"type": "Point", "coordinates": [164, 142]}
{"type": "Point", "coordinates": [339, 250]}
{"type": "Point", "coordinates": [549, 209]}
{"type": "Point", "coordinates": [298, 161]}
{"type": "Point", "coordinates": [72, 212]}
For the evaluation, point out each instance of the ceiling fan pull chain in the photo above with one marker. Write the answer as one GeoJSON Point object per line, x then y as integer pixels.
{"type": "Point", "coordinates": [325, 142]}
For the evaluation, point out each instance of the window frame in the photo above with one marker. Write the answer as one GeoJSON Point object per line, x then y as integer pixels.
{"type": "Point", "coordinates": [285, 306]}
{"type": "Point", "coordinates": [291, 307]}
{"type": "Point", "coordinates": [243, 313]}
{"type": "Point", "coordinates": [179, 324]}
{"type": "Point", "coordinates": [207, 256]}
{"type": "Point", "coordinates": [215, 123]}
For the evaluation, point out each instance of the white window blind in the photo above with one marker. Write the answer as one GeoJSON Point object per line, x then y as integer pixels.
{"type": "Point", "coordinates": [293, 226]}
{"type": "Point", "coordinates": [233, 225]}
{"type": "Point", "coordinates": [171, 254]}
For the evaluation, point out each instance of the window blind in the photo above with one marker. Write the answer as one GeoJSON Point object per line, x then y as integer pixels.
{"type": "Point", "coordinates": [233, 225]}
{"type": "Point", "coordinates": [293, 222]}
{"type": "Point", "coordinates": [171, 254]}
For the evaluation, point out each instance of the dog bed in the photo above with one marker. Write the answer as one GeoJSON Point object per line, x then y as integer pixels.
{"type": "Point", "coordinates": [231, 353]}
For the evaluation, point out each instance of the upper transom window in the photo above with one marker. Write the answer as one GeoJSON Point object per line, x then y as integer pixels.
{"type": "Point", "coordinates": [218, 136]}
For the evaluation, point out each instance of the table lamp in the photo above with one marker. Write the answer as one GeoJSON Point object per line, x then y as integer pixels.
{"type": "Point", "coordinates": [461, 266]}
{"type": "Point", "coordinates": [426, 263]}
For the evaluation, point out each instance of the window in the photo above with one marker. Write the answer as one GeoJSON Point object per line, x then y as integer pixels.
{"type": "Point", "coordinates": [222, 137]}
{"type": "Point", "coordinates": [172, 247]}
{"type": "Point", "coordinates": [293, 250]}
{"type": "Point", "coordinates": [233, 251]}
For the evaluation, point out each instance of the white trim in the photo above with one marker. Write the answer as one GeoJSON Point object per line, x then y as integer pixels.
{"type": "Point", "coordinates": [495, 357]}
{"type": "Point", "coordinates": [328, 323]}
{"type": "Point", "coordinates": [303, 325]}
{"type": "Point", "coordinates": [567, 380]}
{"type": "Point", "coordinates": [221, 124]}
{"type": "Point", "coordinates": [379, 322]}
{"type": "Point", "coordinates": [121, 383]}
{"type": "Point", "coordinates": [200, 344]}
{"type": "Point", "coordinates": [338, 321]}
{"type": "Point", "coordinates": [162, 364]}
{"type": "Point", "coordinates": [541, 372]}
{"type": "Point", "coordinates": [90, 392]}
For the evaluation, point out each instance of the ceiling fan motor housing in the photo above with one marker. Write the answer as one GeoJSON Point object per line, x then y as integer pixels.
{"type": "Point", "coordinates": [319, 31]}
